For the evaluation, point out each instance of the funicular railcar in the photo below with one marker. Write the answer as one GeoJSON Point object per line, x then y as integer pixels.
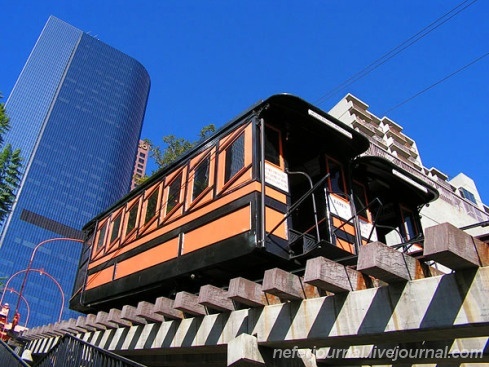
{"type": "Point", "coordinates": [279, 184]}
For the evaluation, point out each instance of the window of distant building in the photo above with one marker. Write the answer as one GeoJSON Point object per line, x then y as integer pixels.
{"type": "Point", "coordinates": [467, 195]}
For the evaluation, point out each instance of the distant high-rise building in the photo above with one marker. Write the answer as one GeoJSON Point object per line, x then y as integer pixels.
{"type": "Point", "coordinates": [140, 163]}
{"type": "Point", "coordinates": [76, 112]}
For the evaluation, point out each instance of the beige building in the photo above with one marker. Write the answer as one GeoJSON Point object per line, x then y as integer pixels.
{"type": "Point", "coordinates": [459, 202]}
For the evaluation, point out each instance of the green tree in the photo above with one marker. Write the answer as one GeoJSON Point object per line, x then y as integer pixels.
{"type": "Point", "coordinates": [10, 164]}
{"type": "Point", "coordinates": [173, 148]}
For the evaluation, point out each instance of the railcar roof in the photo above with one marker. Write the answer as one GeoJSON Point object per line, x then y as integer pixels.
{"type": "Point", "coordinates": [345, 137]}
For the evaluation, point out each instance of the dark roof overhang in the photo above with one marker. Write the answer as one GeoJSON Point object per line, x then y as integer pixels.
{"type": "Point", "coordinates": [331, 131]}
{"type": "Point", "coordinates": [392, 180]}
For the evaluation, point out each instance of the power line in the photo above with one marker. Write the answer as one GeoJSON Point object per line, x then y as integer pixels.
{"type": "Point", "coordinates": [436, 83]}
{"type": "Point", "coordinates": [398, 49]}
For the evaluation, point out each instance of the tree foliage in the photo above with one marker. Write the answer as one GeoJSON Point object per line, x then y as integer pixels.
{"type": "Point", "coordinates": [10, 164]}
{"type": "Point", "coordinates": [173, 148]}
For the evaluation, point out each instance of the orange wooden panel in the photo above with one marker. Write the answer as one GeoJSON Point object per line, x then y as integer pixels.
{"type": "Point", "coordinates": [275, 194]}
{"type": "Point", "coordinates": [181, 221]}
{"type": "Point", "coordinates": [220, 229]}
{"type": "Point", "coordinates": [348, 228]}
{"type": "Point", "coordinates": [146, 259]}
{"type": "Point", "coordinates": [345, 245]}
{"type": "Point", "coordinates": [272, 218]}
{"type": "Point", "coordinates": [101, 277]}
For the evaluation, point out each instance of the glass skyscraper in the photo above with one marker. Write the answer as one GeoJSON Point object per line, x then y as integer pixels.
{"type": "Point", "coordinates": [76, 113]}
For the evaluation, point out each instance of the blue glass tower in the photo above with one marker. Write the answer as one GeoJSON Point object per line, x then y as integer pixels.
{"type": "Point", "coordinates": [76, 113]}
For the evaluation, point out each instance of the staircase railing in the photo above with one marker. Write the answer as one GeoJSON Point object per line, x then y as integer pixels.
{"type": "Point", "coordinates": [9, 358]}
{"type": "Point", "coordinates": [73, 352]}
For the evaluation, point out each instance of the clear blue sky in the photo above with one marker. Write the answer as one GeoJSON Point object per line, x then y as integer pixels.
{"type": "Point", "coordinates": [210, 60]}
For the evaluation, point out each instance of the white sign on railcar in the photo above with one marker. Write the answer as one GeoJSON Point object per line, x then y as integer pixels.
{"type": "Point", "coordinates": [339, 207]}
{"type": "Point", "coordinates": [276, 177]}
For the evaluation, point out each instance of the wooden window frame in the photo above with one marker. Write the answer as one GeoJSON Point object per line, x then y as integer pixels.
{"type": "Point", "coordinates": [169, 180]}
{"type": "Point", "coordinates": [344, 193]}
{"type": "Point", "coordinates": [144, 223]}
{"type": "Point", "coordinates": [280, 148]}
{"type": "Point", "coordinates": [113, 217]}
{"type": "Point", "coordinates": [98, 250]}
{"type": "Point", "coordinates": [127, 216]}
{"type": "Point", "coordinates": [224, 144]}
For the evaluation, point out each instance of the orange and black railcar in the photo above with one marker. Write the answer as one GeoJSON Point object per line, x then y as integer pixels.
{"type": "Point", "coordinates": [279, 184]}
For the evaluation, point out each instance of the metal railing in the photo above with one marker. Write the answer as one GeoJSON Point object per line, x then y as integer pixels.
{"type": "Point", "coordinates": [9, 358]}
{"type": "Point", "coordinates": [73, 352]}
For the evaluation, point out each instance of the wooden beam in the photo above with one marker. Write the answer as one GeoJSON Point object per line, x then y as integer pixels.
{"type": "Point", "coordinates": [454, 248]}
{"type": "Point", "coordinates": [246, 292]}
{"type": "Point", "coordinates": [146, 311]}
{"type": "Point", "coordinates": [115, 317]}
{"type": "Point", "coordinates": [285, 285]}
{"type": "Point", "coordinates": [189, 303]}
{"type": "Point", "coordinates": [128, 313]}
{"type": "Point", "coordinates": [386, 263]}
{"type": "Point", "coordinates": [91, 321]}
{"type": "Point", "coordinates": [164, 306]}
{"type": "Point", "coordinates": [215, 298]}
{"type": "Point", "coordinates": [81, 325]}
{"type": "Point", "coordinates": [331, 276]}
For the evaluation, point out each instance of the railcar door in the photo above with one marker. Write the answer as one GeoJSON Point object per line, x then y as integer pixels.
{"type": "Point", "coordinates": [341, 213]}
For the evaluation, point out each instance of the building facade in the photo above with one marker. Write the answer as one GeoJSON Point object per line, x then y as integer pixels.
{"type": "Point", "coordinates": [76, 113]}
{"type": "Point", "coordinates": [141, 162]}
{"type": "Point", "coordinates": [459, 202]}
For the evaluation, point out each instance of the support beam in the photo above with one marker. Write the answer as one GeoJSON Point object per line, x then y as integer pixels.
{"type": "Point", "coordinates": [454, 248]}
{"type": "Point", "coordinates": [449, 306]}
{"type": "Point", "coordinates": [91, 321]}
{"type": "Point", "coordinates": [165, 307]}
{"type": "Point", "coordinates": [285, 285]}
{"type": "Point", "coordinates": [385, 263]}
{"type": "Point", "coordinates": [246, 292]}
{"type": "Point", "coordinates": [215, 298]}
{"type": "Point", "coordinates": [243, 351]}
{"type": "Point", "coordinates": [146, 310]}
{"type": "Point", "coordinates": [189, 303]}
{"type": "Point", "coordinates": [331, 276]}
{"type": "Point", "coordinates": [129, 313]}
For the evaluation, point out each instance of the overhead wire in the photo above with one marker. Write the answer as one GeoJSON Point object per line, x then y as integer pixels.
{"type": "Point", "coordinates": [398, 49]}
{"type": "Point", "coordinates": [435, 84]}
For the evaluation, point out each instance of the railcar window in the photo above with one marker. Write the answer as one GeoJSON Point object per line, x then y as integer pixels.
{"type": "Point", "coordinates": [410, 228]}
{"type": "Point", "coordinates": [360, 199]}
{"type": "Point", "coordinates": [336, 179]}
{"type": "Point", "coordinates": [201, 178]}
{"type": "Point", "coordinates": [116, 224]}
{"type": "Point", "coordinates": [151, 206]}
{"type": "Point", "coordinates": [133, 214]}
{"type": "Point", "coordinates": [174, 193]}
{"type": "Point", "coordinates": [101, 236]}
{"type": "Point", "coordinates": [234, 158]}
{"type": "Point", "coordinates": [272, 145]}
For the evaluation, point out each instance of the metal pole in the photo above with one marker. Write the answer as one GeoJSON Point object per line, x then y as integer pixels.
{"type": "Point", "coordinates": [40, 271]}
{"type": "Point", "coordinates": [24, 281]}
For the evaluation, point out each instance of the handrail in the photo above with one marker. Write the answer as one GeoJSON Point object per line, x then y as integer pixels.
{"type": "Point", "coordinates": [9, 358]}
{"type": "Point", "coordinates": [71, 351]}
{"type": "Point", "coordinates": [294, 206]}
{"type": "Point", "coordinates": [314, 208]}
